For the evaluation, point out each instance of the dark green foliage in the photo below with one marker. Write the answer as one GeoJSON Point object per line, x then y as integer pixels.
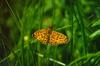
{"type": "Point", "coordinates": [78, 19]}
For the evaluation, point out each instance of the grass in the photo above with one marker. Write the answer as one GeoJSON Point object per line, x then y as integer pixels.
{"type": "Point", "coordinates": [67, 17]}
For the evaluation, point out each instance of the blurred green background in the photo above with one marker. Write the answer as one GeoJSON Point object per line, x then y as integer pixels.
{"type": "Point", "coordinates": [78, 19]}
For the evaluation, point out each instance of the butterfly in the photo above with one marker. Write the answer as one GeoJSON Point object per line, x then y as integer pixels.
{"type": "Point", "coordinates": [47, 36]}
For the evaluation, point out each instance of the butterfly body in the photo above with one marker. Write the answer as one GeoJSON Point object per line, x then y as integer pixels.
{"type": "Point", "coordinates": [47, 36]}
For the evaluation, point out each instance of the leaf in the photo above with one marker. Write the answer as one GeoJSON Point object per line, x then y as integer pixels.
{"type": "Point", "coordinates": [97, 23]}
{"type": "Point", "coordinates": [96, 33]}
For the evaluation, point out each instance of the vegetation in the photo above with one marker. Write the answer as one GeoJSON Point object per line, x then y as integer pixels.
{"type": "Point", "coordinates": [77, 19]}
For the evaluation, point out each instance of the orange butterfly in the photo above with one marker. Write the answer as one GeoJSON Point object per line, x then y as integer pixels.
{"type": "Point", "coordinates": [47, 36]}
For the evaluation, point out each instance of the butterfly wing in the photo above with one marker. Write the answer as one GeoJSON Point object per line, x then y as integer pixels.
{"type": "Point", "coordinates": [41, 35]}
{"type": "Point", "coordinates": [57, 38]}
{"type": "Point", "coordinates": [46, 36]}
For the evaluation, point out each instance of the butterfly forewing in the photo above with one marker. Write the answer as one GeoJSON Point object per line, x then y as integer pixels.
{"type": "Point", "coordinates": [41, 35]}
{"type": "Point", "coordinates": [57, 38]}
